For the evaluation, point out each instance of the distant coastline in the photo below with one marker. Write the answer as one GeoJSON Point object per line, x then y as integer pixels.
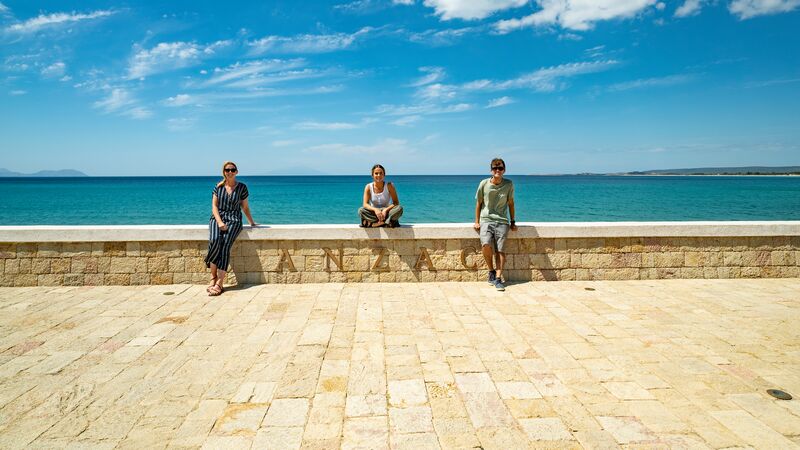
{"type": "Point", "coordinates": [43, 173]}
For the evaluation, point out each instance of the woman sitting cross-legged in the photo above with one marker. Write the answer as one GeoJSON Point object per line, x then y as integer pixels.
{"type": "Point", "coordinates": [381, 207]}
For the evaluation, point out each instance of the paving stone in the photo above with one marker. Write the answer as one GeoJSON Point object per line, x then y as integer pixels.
{"type": "Point", "coordinates": [638, 364]}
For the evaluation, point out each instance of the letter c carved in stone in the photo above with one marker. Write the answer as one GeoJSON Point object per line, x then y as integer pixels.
{"type": "Point", "coordinates": [464, 253]}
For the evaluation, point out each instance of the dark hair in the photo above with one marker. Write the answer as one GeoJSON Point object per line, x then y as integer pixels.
{"type": "Point", "coordinates": [497, 160]}
{"type": "Point", "coordinates": [375, 167]}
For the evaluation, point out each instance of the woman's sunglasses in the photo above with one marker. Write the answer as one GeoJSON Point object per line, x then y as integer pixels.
{"type": "Point", "coordinates": [501, 168]}
{"type": "Point", "coordinates": [232, 170]}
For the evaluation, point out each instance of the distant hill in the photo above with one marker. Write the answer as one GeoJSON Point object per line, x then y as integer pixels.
{"type": "Point", "coordinates": [43, 173]}
{"type": "Point", "coordinates": [748, 170]}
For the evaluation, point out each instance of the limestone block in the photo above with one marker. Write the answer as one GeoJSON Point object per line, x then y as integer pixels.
{"type": "Point", "coordinates": [322, 277]}
{"type": "Point", "coordinates": [117, 279]}
{"type": "Point", "coordinates": [751, 272]}
{"type": "Point", "coordinates": [668, 259]}
{"type": "Point", "coordinates": [157, 264]}
{"type": "Point", "coordinates": [353, 277]}
{"type": "Point", "coordinates": [648, 274]}
{"type": "Point", "coordinates": [103, 263]}
{"type": "Point", "coordinates": [790, 272]}
{"type": "Point", "coordinates": [50, 280]}
{"type": "Point", "coordinates": [253, 264]}
{"type": "Point", "coordinates": [691, 272]}
{"type": "Point", "coordinates": [11, 266]}
{"type": "Point", "coordinates": [387, 277]}
{"type": "Point", "coordinates": [771, 272]}
{"type": "Point", "coordinates": [176, 265]}
{"type": "Point", "coordinates": [316, 263]}
{"type": "Point", "coordinates": [194, 264]}
{"type": "Point", "coordinates": [48, 249]}
{"type": "Point", "coordinates": [667, 273]}
{"type": "Point", "coordinates": [338, 277]}
{"type": "Point", "coordinates": [753, 258]}
{"type": "Point", "coordinates": [540, 261]}
{"type": "Point", "coordinates": [763, 243]}
{"type": "Point", "coordinates": [97, 248]}
{"type": "Point", "coordinates": [25, 265]}
{"type": "Point", "coordinates": [360, 263]}
{"type": "Point", "coordinates": [93, 279]}
{"type": "Point", "coordinates": [73, 249]}
{"type": "Point", "coordinates": [7, 280]}
{"type": "Point", "coordinates": [25, 279]}
{"type": "Point", "coordinates": [182, 278]}
{"type": "Point", "coordinates": [731, 259]}
{"type": "Point", "coordinates": [622, 260]}
{"type": "Point", "coordinates": [560, 260]}
{"type": "Point", "coordinates": [694, 259]}
{"type": "Point", "coordinates": [122, 265]}
{"type": "Point", "coordinates": [710, 272]}
{"type": "Point", "coordinates": [782, 258]}
{"type": "Point", "coordinates": [40, 266]}
{"type": "Point", "coordinates": [575, 261]}
{"type": "Point", "coordinates": [133, 249]}
{"type": "Point", "coordinates": [427, 276]}
{"type": "Point", "coordinates": [138, 279]}
{"type": "Point", "coordinates": [114, 248]}
{"type": "Point", "coordinates": [26, 250]}
{"type": "Point", "coordinates": [73, 279]}
{"type": "Point", "coordinates": [511, 246]}
{"type": "Point", "coordinates": [567, 274]}
{"type": "Point", "coordinates": [582, 274]}
{"type": "Point", "coordinates": [543, 275]}
{"type": "Point", "coordinates": [8, 250]}
{"type": "Point", "coordinates": [189, 248]}
{"type": "Point", "coordinates": [729, 272]}
{"type": "Point", "coordinates": [548, 245]}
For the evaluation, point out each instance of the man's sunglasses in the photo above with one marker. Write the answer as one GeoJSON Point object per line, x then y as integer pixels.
{"type": "Point", "coordinates": [232, 170]}
{"type": "Point", "coordinates": [498, 168]}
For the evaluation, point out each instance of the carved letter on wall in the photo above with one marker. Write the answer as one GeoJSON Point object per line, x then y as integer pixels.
{"type": "Point", "coordinates": [472, 251]}
{"type": "Point", "coordinates": [285, 259]}
{"type": "Point", "coordinates": [424, 257]}
{"type": "Point", "coordinates": [377, 267]}
{"type": "Point", "coordinates": [329, 256]}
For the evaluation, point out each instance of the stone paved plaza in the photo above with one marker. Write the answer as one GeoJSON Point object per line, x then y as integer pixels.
{"type": "Point", "coordinates": [630, 364]}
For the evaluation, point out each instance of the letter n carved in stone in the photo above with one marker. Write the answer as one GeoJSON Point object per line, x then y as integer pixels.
{"type": "Point", "coordinates": [329, 256]}
{"type": "Point", "coordinates": [286, 259]}
{"type": "Point", "coordinates": [424, 258]}
{"type": "Point", "coordinates": [378, 266]}
{"type": "Point", "coordinates": [469, 251]}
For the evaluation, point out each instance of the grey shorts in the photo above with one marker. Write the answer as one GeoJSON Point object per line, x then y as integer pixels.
{"type": "Point", "coordinates": [494, 234]}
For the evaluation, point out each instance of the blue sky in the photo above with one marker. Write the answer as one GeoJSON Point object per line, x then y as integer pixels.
{"type": "Point", "coordinates": [421, 86]}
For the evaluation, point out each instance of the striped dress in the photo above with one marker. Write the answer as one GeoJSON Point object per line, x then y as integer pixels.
{"type": "Point", "coordinates": [230, 210]}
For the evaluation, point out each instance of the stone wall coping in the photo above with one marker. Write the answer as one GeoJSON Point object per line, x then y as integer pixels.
{"type": "Point", "coordinates": [141, 233]}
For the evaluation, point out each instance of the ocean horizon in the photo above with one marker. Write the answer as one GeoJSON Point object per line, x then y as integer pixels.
{"type": "Point", "coordinates": [335, 199]}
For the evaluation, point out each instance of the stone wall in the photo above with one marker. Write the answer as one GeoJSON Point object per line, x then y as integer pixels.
{"type": "Point", "coordinates": [399, 260]}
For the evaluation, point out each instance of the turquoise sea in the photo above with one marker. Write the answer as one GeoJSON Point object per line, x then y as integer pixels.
{"type": "Point", "coordinates": [426, 199]}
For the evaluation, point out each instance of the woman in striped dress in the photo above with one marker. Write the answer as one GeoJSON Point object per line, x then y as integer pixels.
{"type": "Point", "coordinates": [228, 201]}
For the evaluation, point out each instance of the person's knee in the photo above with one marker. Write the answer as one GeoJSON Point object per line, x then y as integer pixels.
{"type": "Point", "coordinates": [487, 247]}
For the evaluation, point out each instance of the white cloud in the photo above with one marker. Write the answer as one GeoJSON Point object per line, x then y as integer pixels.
{"type": "Point", "coordinates": [48, 20]}
{"type": "Point", "coordinates": [434, 74]}
{"type": "Point", "coordinates": [406, 121]}
{"type": "Point", "coordinates": [117, 99]}
{"type": "Point", "coordinates": [54, 70]}
{"type": "Point", "coordinates": [3, 9]}
{"type": "Point", "coordinates": [689, 8]}
{"type": "Point", "coordinates": [403, 2]}
{"type": "Point", "coordinates": [746, 9]}
{"type": "Point", "coordinates": [16, 92]}
{"type": "Point", "coordinates": [120, 101]}
{"type": "Point", "coordinates": [442, 37]}
{"type": "Point", "coordinates": [546, 79]}
{"type": "Point", "coordinates": [423, 109]}
{"type": "Point", "coordinates": [470, 9]}
{"type": "Point", "coordinates": [168, 56]}
{"type": "Point", "coordinates": [575, 14]}
{"type": "Point", "coordinates": [306, 43]}
{"type": "Point", "coordinates": [252, 69]}
{"type": "Point", "coordinates": [501, 101]}
{"type": "Point", "coordinates": [180, 124]}
{"type": "Point", "coordinates": [179, 100]}
{"type": "Point", "coordinates": [387, 146]}
{"type": "Point", "coordinates": [326, 126]}
{"type": "Point", "coordinates": [437, 91]}
{"type": "Point", "coordinates": [642, 83]}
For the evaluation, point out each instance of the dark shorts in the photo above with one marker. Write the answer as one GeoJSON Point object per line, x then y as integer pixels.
{"type": "Point", "coordinates": [494, 234]}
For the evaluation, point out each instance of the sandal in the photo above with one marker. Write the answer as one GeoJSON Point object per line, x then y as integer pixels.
{"type": "Point", "coordinates": [215, 291]}
{"type": "Point", "coordinates": [213, 283]}
{"type": "Point", "coordinates": [364, 223]}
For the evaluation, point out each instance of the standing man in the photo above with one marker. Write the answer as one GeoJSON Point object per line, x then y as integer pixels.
{"type": "Point", "coordinates": [495, 195]}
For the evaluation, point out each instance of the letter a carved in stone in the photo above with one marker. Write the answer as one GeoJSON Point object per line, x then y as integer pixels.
{"type": "Point", "coordinates": [329, 256]}
{"type": "Point", "coordinates": [377, 266]}
{"type": "Point", "coordinates": [425, 258]}
{"type": "Point", "coordinates": [286, 259]}
{"type": "Point", "coordinates": [472, 251]}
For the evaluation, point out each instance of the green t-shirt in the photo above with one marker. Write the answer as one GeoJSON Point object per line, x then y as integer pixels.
{"type": "Point", "coordinates": [495, 199]}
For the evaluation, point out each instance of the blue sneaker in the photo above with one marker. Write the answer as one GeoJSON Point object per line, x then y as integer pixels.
{"type": "Point", "coordinates": [498, 284]}
{"type": "Point", "coordinates": [492, 277]}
